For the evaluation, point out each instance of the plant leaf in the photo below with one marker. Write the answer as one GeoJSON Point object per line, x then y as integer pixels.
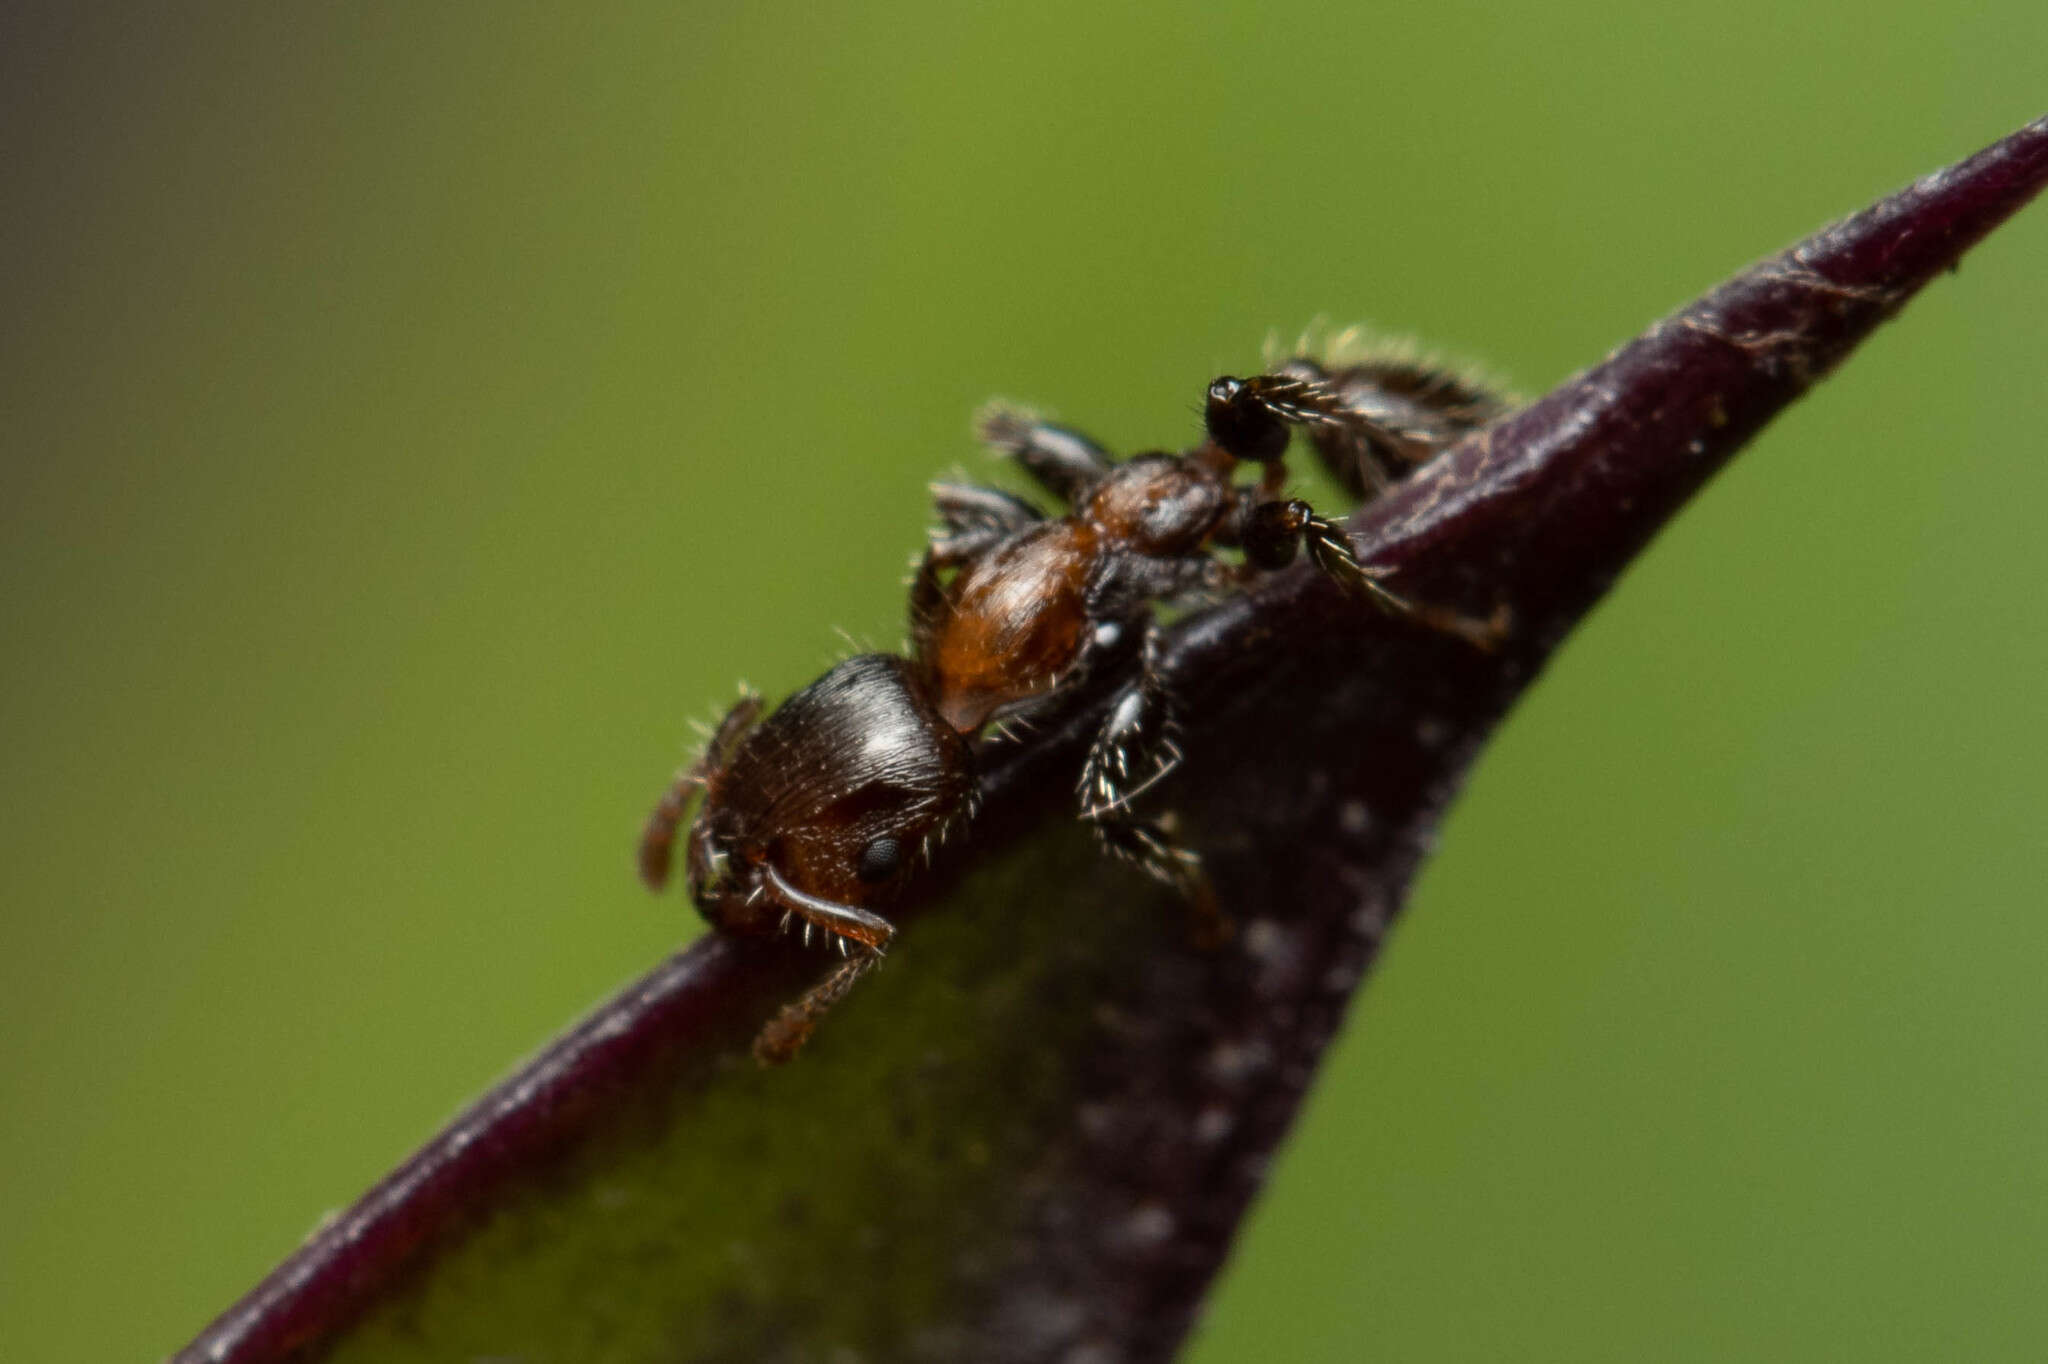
{"type": "Point", "coordinates": [1034, 1133]}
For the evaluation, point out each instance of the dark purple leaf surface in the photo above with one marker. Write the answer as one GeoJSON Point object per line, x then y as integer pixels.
{"type": "Point", "coordinates": [1037, 1130]}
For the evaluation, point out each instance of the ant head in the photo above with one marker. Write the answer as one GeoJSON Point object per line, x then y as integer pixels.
{"type": "Point", "coordinates": [834, 797]}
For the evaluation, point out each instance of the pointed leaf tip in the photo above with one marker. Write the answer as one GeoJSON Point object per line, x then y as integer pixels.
{"type": "Point", "coordinates": [1037, 1131]}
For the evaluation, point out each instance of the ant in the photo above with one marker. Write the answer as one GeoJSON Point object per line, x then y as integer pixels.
{"type": "Point", "coordinates": [816, 814]}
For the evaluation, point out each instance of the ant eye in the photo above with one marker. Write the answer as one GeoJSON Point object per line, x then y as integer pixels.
{"type": "Point", "coordinates": [879, 860]}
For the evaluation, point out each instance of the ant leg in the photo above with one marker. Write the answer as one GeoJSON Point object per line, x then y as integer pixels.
{"type": "Point", "coordinates": [657, 839]}
{"type": "Point", "coordinates": [784, 1035]}
{"type": "Point", "coordinates": [1271, 530]}
{"type": "Point", "coordinates": [975, 518]}
{"type": "Point", "coordinates": [1369, 422]}
{"type": "Point", "coordinates": [1066, 463]}
{"type": "Point", "coordinates": [927, 604]}
{"type": "Point", "coordinates": [1401, 410]}
{"type": "Point", "coordinates": [861, 938]}
{"type": "Point", "coordinates": [1134, 750]}
{"type": "Point", "coordinates": [1153, 851]}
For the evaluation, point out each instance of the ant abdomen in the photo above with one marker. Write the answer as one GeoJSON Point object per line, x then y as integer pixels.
{"type": "Point", "coordinates": [1009, 626]}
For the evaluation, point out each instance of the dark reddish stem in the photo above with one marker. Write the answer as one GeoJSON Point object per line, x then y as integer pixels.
{"type": "Point", "coordinates": [1539, 513]}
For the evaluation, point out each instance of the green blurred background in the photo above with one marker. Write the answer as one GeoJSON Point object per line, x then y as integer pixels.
{"type": "Point", "coordinates": [410, 419]}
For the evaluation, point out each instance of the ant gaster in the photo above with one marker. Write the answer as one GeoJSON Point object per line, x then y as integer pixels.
{"type": "Point", "coordinates": [816, 815]}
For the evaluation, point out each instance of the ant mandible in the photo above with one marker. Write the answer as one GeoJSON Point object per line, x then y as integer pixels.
{"type": "Point", "coordinates": [816, 815]}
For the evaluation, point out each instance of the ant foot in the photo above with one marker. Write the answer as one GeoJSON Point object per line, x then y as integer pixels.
{"type": "Point", "coordinates": [1150, 848]}
{"type": "Point", "coordinates": [1133, 752]}
{"type": "Point", "coordinates": [1330, 547]}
